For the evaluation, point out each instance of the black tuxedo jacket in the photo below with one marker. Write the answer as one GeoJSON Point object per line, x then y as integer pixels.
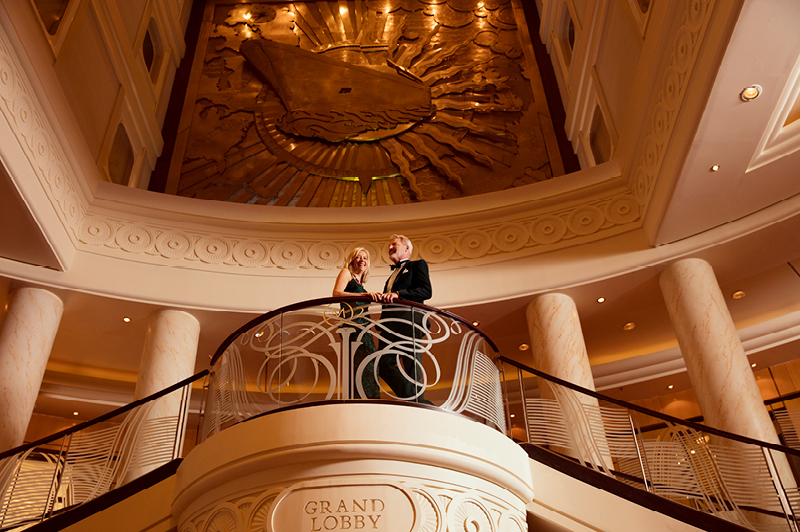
{"type": "Point", "coordinates": [413, 282]}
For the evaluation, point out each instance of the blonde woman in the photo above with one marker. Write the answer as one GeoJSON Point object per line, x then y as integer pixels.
{"type": "Point", "coordinates": [351, 281]}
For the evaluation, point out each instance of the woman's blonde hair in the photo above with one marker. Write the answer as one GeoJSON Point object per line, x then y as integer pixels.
{"type": "Point", "coordinates": [351, 256]}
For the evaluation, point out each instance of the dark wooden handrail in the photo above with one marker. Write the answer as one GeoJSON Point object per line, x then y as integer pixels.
{"type": "Point", "coordinates": [652, 413]}
{"type": "Point", "coordinates": [345, 299]}
{"type": "Point", "coordinates": [104, 417]}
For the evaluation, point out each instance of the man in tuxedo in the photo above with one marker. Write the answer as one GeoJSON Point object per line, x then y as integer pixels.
{"type": "Point", "coordinates": [409, 281]}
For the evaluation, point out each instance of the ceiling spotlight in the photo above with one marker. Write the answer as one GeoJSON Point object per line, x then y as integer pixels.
{"type": "Point", "coordinates": [74, 413]}
{"type": "Point", "coordinates": [600, 299]}
{"type": "Point", "coordinates": [715, 168]}
{"type": "Point", "coordinates": [523, 347]}
{"type": "Point", "coordinates": [259, 334]}
{"type": "Point", "coordinates": [476, 323]}
{"type": "Point", "coordinates": [753, 365]}
{"type": "Point", "coordinates": [629, 326]}
{"type": "Point", "coordinates": [750, 93]}
{"type": "Point", "coordinates": [739, 294]}
{"type": "Point", "coordinates": [671, 386]}
{"type": "Point", "coordinates": [512, 415]}
{"type": "Point", "coordinates": [126, 319]}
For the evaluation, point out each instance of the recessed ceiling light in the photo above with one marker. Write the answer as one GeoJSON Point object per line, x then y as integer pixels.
{"type": "Point", "coordinates": [629, 326]}
{"type": "Point", "coordinates": [126, 319]}
{"type": "Point", "coordinates": [475, 323]}
{"type": "Point", "coordinates": [750, 93]}
{"type": "Point", "coordinates": [74, 413]}
{"type": "Point", "coordinates": [523, 347]}
{"type": "Point", "coordinates": [259, 334]}
{"type": "Point", "coordinates": [512, 415]}
{"type": "Point", "coordinates": [671, 386]}
{"type": "Point", "coordinates": [600, 299]}
{"type": "Point", "coordinates": [753, 365]}
{"type": "Point", "coordinates": [715, 168]}
{"type": "Point", "coordinates": [739, 294]}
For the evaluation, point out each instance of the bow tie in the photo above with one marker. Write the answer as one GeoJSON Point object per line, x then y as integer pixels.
{"type": "Point", "coordinates": [398, 265]}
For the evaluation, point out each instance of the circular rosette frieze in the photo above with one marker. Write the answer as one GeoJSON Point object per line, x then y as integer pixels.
{"type": "Point", "coordinates": [226, 518]}
{"type": "Point", "coordinates": [23, 113]}
{"type": "Point", "coordinates": [174, 245]}
{"type": "Point", "coordinates": [510, 237]}
{"type": "Point", "coordinates": [375, 255]}
{"type": "Point", "coordinates": [96, 231]}
{"type": "Point", "coordinates": [6, 78]}
{"type": "Point", "coordinates": [212, 250]}
{"type": "Point", "coordinates": [683, 49]}
{"type": "Point", "coordinates": [672, 88]}
{"type": "Point", "coordinates": [251, 253]}
{"type": "Point", "coordinates": [548, 229]}
{"type": "Point", "coordinates": [586, 220]}
{"type": "Point", "coordinates": [57, 181]}
{"type": "Point", "coordinates": [437, 249]}
{"type": "Point", "coordinates": [468, 515]}
{"type": "Point", "coordinates": [641, 184]}
{"type": "Point", "coordinates": [697, 12]}
{"type": "Point", "coordinates": [257, 520]}
{"type": "Point", "coordinates": [40, 145]}
{"type": "Point", "coordinates": [134, 239]}
{"type": "Point", "coordinates": [622, 210]}
{"type": "Point", "coordinates": [474, 244]}
{"type": "Point", "coordinates": [72, 210]}
{"type": "Point", "coordinates": [325, 256]}
{"type": "Point", "coordinates": [287, 255]}
{"type": "Point", "coordinates": [660, 123]}
{"type": "Point", "coordinates": [512, 521]}
{"type": "Point", "coordinates": [430, 515]}
{"type": "Point", "coordinates": [651, 149]}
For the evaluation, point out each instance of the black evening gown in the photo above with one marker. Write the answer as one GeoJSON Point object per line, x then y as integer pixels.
{"type": "Point", "coordinates": [367, 347]}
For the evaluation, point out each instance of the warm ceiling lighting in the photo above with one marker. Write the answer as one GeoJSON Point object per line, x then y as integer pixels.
{"type": "Point", "coordinates": [74, 413]}
{"type": "Point", "coordinates": [629, 326]}
{"type": "Point", "coordinates": [751, 93]}
{"type": "Point", "coordinates": [523, 347]}
{"type": "Point", "coordinates": [259, 334]}
{"type": "Point", "coordinates": [671, 386]}
{"type": "Point", "coordinates": [600, 299]}
{"type": "Point", "coordinates": [512, 415]}
{"type": "Point", "coordinates": [753, 365]}
{"type": "Point", "coordinates": [342, 10]}
{"type": "Point", "coordinates": [475, 323]}
{"type": "Point", "coordinates": [739, 294]}
{"type": "Point", "coordinates": [247, 16]}
{"type": "Point", "coordinates": [126, 319]}
{"type": "Point", "coordinates": [715, 168]}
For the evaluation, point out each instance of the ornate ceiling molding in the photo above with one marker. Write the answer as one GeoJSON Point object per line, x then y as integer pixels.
{"type": "Point", "coordinates": [685, 49]}
{"type": "Point", "coordinates": [449, 243]}
{"type": "Point", "coordinates": [37, 139]}
{"type": "Point", "coordinates": [577, 214]}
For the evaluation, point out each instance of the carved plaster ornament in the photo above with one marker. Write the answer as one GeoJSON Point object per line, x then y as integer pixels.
{"type": "Point", "coordinates": [422, 102]}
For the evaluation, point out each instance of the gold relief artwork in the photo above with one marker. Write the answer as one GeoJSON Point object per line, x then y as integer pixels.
{"type": "Point", "coordinates": [360, 102]}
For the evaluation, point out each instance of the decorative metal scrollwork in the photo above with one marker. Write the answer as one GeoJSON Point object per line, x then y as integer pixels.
{"type": "Point", "coordinates": [354, 349]}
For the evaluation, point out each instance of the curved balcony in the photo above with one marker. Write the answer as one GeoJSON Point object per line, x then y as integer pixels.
{"type": "Point", "coordinates": [341, 349]}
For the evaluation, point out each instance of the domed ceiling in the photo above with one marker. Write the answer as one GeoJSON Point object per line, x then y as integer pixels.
{"type": "Point", "coordinates": [339, 104]}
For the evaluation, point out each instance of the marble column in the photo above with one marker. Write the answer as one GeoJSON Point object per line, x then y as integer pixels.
{"type": "Point", "coordinates": [717, 365]}
{"type": "Point", "coordinates": [559, 350]}
{"type": "Point", "coordinates": [26, 338]}
{"type": "Point", "coordinates": [168, 357]}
